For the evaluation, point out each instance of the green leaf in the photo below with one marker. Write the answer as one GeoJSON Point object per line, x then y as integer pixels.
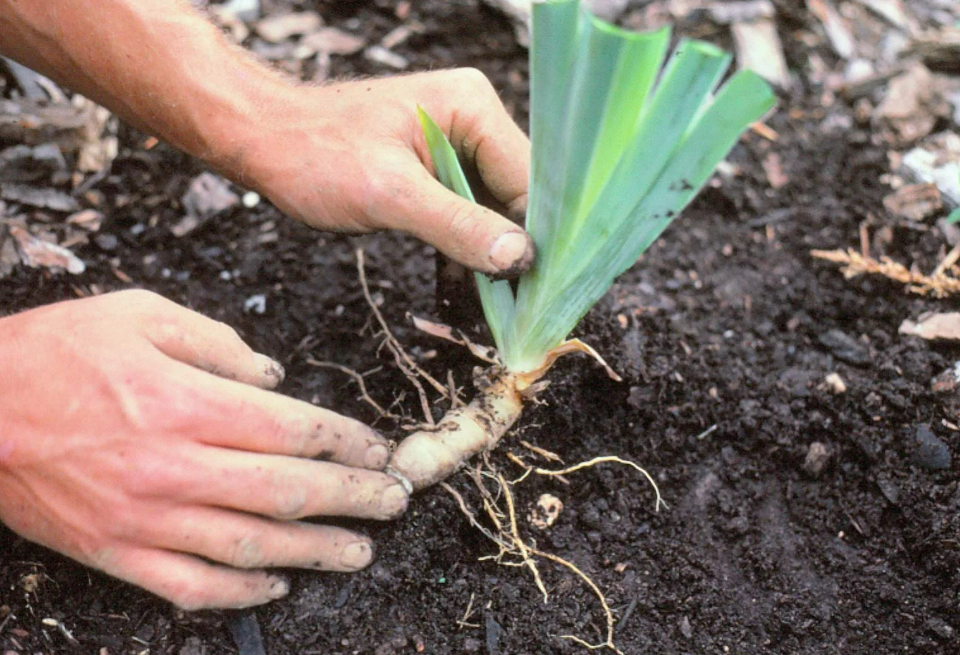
{"type": "Point", "coordinates": [496, 297]}
{"type": "Point", "coordinates": [954, 216]}
{"type": "Point", "coordinates": [619, 149]}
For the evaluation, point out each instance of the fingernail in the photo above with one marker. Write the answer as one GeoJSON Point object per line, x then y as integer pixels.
{"type": "Point", "coordinates": [512, 252]}
{"type": "Point", "coordinates": [376, 457]}
{"type": "Point", "coordinates": [278, 588]}
{"type": "Point", "coordinates": [270, 367]}
{"type": "Point", "coordinates": [393, 501]}
{"type": "Point", "coordinates": [356, 556]}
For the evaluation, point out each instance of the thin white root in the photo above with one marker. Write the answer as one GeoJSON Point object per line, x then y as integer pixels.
{"type": "Point", "coordinates": [426, 457]}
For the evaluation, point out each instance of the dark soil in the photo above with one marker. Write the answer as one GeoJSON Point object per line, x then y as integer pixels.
{"type": "Point", "coordinates": [724, 334]}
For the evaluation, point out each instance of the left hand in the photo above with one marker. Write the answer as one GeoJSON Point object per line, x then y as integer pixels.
{"type": "Point", "coordinates": [352, 157]}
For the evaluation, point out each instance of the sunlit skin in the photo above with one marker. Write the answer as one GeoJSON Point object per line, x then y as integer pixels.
{"type": "Point", "coordinates": [143, 439]}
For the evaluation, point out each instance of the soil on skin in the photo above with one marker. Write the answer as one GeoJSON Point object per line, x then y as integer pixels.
{"type": "Point", "coordinates": [720, 336]}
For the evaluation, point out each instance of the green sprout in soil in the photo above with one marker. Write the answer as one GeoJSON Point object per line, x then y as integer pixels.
{"type": "Point", "coordinates": [619, 148]}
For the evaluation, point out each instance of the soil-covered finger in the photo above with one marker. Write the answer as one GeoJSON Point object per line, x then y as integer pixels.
{"type": "Point", "coordinates": [189, 582]}
{"type": "Point", "coordinates": [250, 419]}
{"type": "Point", "coordinates": [248, 542]}
{"type": "Point", "coordinates": [286, 488]}
{"type": "Point", "coordinates": [212, 346]}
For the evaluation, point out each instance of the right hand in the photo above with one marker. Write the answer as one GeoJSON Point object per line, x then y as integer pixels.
{"type": "Point", "coordinates": [139, 438]}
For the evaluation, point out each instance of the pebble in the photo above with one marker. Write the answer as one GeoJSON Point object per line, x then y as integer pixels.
{"type": "Point", "coordinates": [256, 304]}
{"type": "Point", "coordinates": [685, 629]}
{"type": "Point", "coordinates": [835, 383]}
{"type": "Point", "coordinates": [251, 199]}
{"type": "Point", "coordinates": [845, 348]}
{"type": "Point", "coordinates": [889, 490]}
{"type": "Point", "coordinates": [106, 242]}
{"type": "Point", "coordinates": [193, 646]}
{"type": "Point", "coordinates": [939, 627]}
{"type": "Point", "coordinates": [818, 456]}
{"type": "Point", "coordinates": [930, 452]}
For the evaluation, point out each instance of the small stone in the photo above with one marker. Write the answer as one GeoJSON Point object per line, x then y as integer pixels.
{"type": "Point", "coordinates": [939, 627]}
{"type": "Point", "coordinates": [106, 242]}
{"type": "Point", "coordinates": [546, 511]}
{"type": "Point", "coordinates": [845, 347]}
{"type": "Point", "coordinates": [889, 490]}
{"type": "Point", "coordinates": [250, 199]}
{"type": "Point", "coordinates": [818, 456]}
{"type": "Point", "coordinates": [685, 629]}
{"type": "Point", "coordinates": [471, 645]}
{"type": "Point", "coordinates": [193, 646]}
{"type": "Point", "coordinates": [930, 452]}
{"type": "Point", "coordinates": [835, 383]}
{"type": "Point", "coordinates": [256, 304]}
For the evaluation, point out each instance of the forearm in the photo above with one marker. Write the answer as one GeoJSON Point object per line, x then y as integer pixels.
{"type": "Point", "coordinates": [159, 64]}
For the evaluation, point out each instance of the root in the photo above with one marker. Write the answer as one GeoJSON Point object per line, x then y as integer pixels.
{"type": "Point", "coordinates": [506, 534]}
{"type": "Point", "coordinates": [609, 458]}
{"type": "Point", "coordinates": [358, 378]}
{"type": "Point", "coordinates": [404, 362]}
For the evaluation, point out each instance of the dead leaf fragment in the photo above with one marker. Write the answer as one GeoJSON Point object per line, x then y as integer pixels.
{"type": "Point", "coordinates": [932, 326]}
{"type": "Point", "coordinates": [774, 170]}
{"type": "Point", "coordinates": [41, 198]}
{"type": "Point", "coordinates": [915, 202]}
{"type": "Point", "coordinates": [37, 253]}
{"type": "Point", "coordinates": [759, 49]}
{"type": "Point", "coordinates": [88, 219]}
{"type": "Point", "coordinates": [911, 106]}
{"type": "Point", "coordinates": [207, 196]}
{"type": "Point", "coordinates": [544, 514]}
{"type": "Point", "coordinates": [330, 40]}
{"type": "Point", "coordinates": [835, 27]}
{"type": "Point", "coordinates": [276, 29]}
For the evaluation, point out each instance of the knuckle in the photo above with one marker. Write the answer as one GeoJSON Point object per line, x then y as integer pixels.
{"type": "Point", "coordinates": [472, 78]}
{"type": "Point", "coordinates": [289, 500]}
{"type": "Point", "coordinates": [246, 552]}
{"type": "Point", "coordinates": [463, 224]}
{"type": "Point", "coordinates": [291, 435]}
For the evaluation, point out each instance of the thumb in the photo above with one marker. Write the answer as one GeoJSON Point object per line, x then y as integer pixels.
{"type": "Point", "coordinates": [468, 233]}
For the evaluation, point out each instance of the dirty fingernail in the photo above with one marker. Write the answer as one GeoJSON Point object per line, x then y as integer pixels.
{"type": "Point", "coordinates": [393, 501]}
{"type": "Point", "coordinates": [376, 457]}
{"type": "Point", "coordinates": [278, 588]}
{"type": "Point", "coordinates": [356, 556]}
{"type": "Point", "coordinates": [512, 252]}
{"type": "Point", "coordinates": [270, 367]}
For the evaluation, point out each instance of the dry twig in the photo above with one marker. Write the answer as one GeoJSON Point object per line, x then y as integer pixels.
{"type": "Point", "coordinates": [404, 362]}
{"type": "Point", "coordinates": [944, 281]}
{"type": "Point", "coordinates": [358, 378]}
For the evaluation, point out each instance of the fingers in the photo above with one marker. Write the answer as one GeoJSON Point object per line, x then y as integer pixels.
{"type": "Point", "coordinates": [250, 419]}
{"type": "Point", "coordinates": [201, 342]}
{"type": "Point", "coordinates": [483, 133]}
{"type": "Point", "coordinates": [284, 487]}
{"type": "Point", "coordinates": [189, 582]}
{"type": "Point", "coordinates": [469, 233]}
{"type": "Point", "coordinates": [247, 542]}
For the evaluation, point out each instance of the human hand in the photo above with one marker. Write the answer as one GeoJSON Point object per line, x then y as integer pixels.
{"type": "Point", "coordinates": [352, 157]}
{"type": "Point", "coordinates": [134, 439]}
